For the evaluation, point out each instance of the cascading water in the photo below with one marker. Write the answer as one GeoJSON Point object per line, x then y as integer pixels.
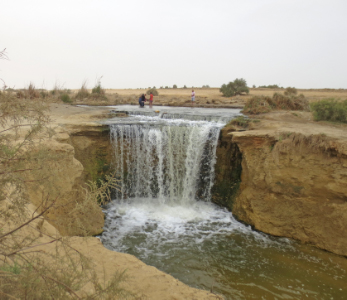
{"type": "Point", "coordinates": [173, 164]}
{"type": "Point", "coordinates": [163, 215]}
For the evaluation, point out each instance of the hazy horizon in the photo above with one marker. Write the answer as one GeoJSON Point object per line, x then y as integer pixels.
{"type": "Point", "coordinates": [140, 44]}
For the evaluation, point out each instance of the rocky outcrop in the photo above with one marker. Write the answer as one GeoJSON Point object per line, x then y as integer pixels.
{"type": "Point", "coordinates": [73, 157]}
{"type": "Point", "coordinates": [293, 184]}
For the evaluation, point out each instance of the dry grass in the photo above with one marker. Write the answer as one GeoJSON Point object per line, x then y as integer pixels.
{"type": "Point", "coordinates": [264, 104]}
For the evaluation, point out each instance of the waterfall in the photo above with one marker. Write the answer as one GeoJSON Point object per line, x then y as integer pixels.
{"type": "Point", "coordinates": [165, 162]}
{"type": "Point", "coordinates": [171, 161]}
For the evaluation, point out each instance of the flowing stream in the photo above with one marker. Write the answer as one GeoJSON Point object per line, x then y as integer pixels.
{"type": "Point", "coordinates": [162, 214]}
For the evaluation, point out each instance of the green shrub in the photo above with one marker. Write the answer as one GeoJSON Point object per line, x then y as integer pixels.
{"type": "Point", "coordinates": [237, 87]}
{"type": "Point", "coordinates": [98, 92]}
{"type": "Point", "coordinates": [330, 110]}
{"type": "Point", "coordinates": [65, 98]}
{"type": "Point", "coordinates": [174, 86]}
{"type": "Point", "coordinates": [44, 94]}
{"type": "Point", "coordinates": [240, 121]}
{"type": "Point", "coordinates": [98, 89]}
{"type": "Point", "coordinates": [153, 91]}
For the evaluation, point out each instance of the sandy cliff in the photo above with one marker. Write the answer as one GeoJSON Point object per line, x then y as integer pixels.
{"type": "Point", "coordinates": [293, 182]}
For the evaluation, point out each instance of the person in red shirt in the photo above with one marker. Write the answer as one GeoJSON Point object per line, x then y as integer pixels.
{"type": "Point", "coordinates": [150, 100]}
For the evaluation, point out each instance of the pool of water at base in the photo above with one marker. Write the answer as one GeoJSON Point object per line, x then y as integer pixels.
{"type": "Point", "coordinates": [205, 247]}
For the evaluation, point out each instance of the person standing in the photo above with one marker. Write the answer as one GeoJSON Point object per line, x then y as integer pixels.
{"type": "Point", "coordinates": [193, 97]}
{"type": "Point", "coordinates": [150, 100]}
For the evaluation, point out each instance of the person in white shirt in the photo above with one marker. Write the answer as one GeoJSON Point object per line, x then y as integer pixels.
{"type": "Point", "coordinates": [193, 97]}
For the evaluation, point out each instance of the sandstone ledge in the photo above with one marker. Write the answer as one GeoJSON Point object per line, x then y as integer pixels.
{"type": "Point", "coordinates": [293, 180]}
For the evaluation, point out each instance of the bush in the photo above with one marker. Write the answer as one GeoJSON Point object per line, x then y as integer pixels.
{"type": "Point", "coordinates": [83, 92]}
{"type": "Point", "coordinates": [290, 91]}
{"type": "Point", "coordinates": [98, 92]}
{"type": "Point", "coordinates": [153, 91]}
{"type": "Point", "coordinates": [263, 104]}
{"type": "Point", "coordinates": [44, 94]}
{"type": "Point", "coordinates": [257, 105]}
{"type": "Point", "coordinates": [29, 93]}
{"type": "Point", "coordinates": [184, 86]}
{"type": "Point", "coordinates": [65, 98]}
{"type": "Point", "coordinates": [166, 87]}
{"type": "Point", "coordinates": [206, 86]}
{"type": "Point", "coordinates": [57, 90]}
{"type": "Point", "coordinates": [290, 102]}
{"type": "Point", "coordinates": [174, 86]}
{"type": "Point", "coordinates": [330, 110]}
{"type": "Point", "coordinates": [237, 87]}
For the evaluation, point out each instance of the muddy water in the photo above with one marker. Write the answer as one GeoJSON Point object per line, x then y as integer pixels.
{"type": "Point", "coordinates": [205, 247]}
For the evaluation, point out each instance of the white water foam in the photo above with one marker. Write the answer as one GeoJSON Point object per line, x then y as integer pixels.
{"type": "Point", "coordinates": [156, 225]}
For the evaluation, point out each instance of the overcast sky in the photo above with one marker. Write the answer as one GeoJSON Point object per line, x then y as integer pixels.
{"type": "Point", "coordinates": [137, 43]}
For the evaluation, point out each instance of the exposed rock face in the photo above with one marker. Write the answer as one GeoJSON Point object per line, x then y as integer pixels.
{"type": "Point", "coordinates": [227, 171]}
{"type": "Point", "coordinates": [294, 185]}
{"type": "Point", "coordinates": [77, 154]}
{"type": "Point", "coordinates": [93, 149]}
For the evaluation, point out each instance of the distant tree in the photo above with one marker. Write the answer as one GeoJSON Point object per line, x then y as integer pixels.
{"type": "Point", "coordinates": [271, 86]}
{"type": "Point", "coordinates": [237, 87]}
{"type": "Point", "coordinates": [253, 86]}
{"type": "Point", "coordinates": [166, 87]}
{"type": "Point", "coordinates": [206, 86]}
{"type": "Point", "coordinates": [174, 86]}
{"type": "Point", "coordinates": [184, 86]}
{"type": "Point", "coordinates": [161, 87]}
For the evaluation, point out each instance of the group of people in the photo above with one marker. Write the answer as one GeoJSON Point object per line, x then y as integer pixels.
{"type": "Point", "coordinates": [143, 99]}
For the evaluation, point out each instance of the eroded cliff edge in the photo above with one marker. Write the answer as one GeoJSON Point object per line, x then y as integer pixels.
{"type": "Point", "coordinates": [293, 180]}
